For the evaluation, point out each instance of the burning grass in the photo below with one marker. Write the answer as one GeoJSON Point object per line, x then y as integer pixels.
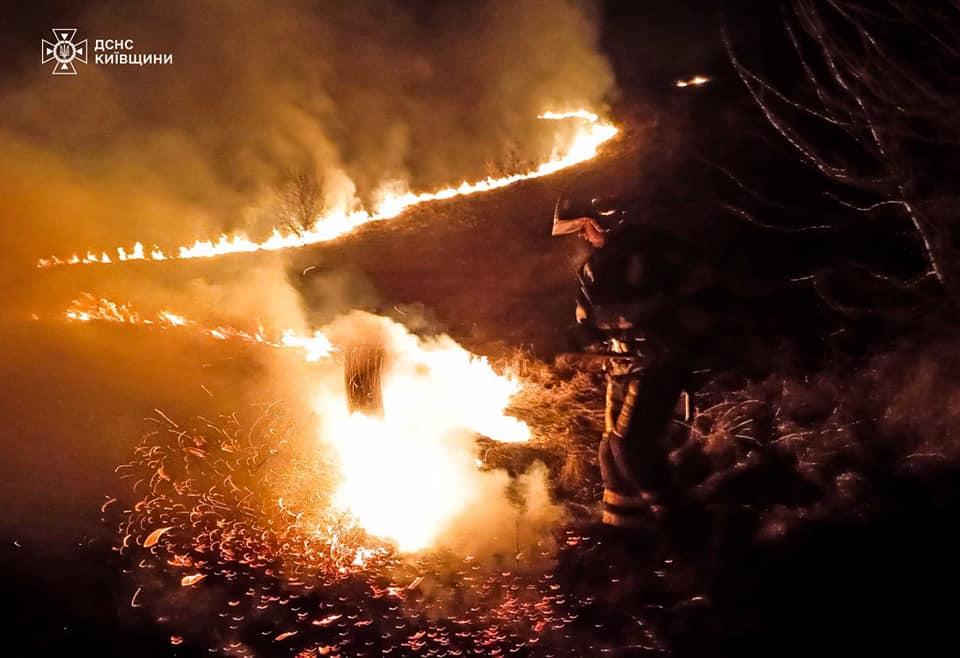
{"type": "Point", "coordinates": [240, 535]}
{"type": "Point", "coordinates": [394, 199]}
{"type": "Point", "coordinates": [90, 308]}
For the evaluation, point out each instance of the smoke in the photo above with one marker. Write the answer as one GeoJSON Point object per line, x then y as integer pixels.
{"type": "Point", "coordinates": [361, 94]}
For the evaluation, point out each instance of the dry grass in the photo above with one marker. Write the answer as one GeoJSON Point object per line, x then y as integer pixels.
{"type": "Point", "coordinates": [565, 410]}
{"type": "Point", "coordinates": [897, 411]}
{"type": "Point", "coordinates": [802, 446]}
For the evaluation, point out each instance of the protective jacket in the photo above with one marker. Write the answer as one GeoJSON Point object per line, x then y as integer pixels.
{"type": "Point", "coordinates": [639, 294]}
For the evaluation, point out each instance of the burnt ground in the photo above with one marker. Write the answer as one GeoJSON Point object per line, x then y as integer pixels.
{"type": "Point", "coordinates": [831, 525]}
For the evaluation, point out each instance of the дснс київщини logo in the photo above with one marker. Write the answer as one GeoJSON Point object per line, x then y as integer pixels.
{"type": "Point", "coordinates": [64, 51]}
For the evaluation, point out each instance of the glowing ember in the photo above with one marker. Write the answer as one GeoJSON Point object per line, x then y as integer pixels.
{"type": "Point", "coordinates": [192, 579]}
{"type": "Point", "coordinates": [695, 81]}
{"type": "Point", "coordinates": [394, 199]}
{"type": "Point", "coordinates": [256, 530]}
{"type": "Point", "coordinates": [154, 537]}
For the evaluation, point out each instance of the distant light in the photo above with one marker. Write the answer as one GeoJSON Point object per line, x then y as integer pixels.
{"type": "Point", "coordinates": [695, 81]}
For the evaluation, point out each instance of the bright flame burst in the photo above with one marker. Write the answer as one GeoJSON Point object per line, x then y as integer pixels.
{"type": "Point", "coordinates": [392, 202]}
{"type": "Point", "coordinates": [409, 474]}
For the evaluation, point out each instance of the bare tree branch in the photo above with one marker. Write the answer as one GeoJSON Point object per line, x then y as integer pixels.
{"type": "Point", "coordinates": [300, 200]}
{"type": "Point", "coordinates": [883, 77]}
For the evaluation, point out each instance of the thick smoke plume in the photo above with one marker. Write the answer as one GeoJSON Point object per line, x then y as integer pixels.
{"type": "Point", "coordinates": [357, 94]}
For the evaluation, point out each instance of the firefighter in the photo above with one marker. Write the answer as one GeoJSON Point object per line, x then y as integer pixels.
{"type": "Point", "coordinates": [638, 298]}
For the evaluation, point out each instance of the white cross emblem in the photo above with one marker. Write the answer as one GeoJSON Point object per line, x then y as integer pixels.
{"type": "Point", "coordinates": [64, 50]}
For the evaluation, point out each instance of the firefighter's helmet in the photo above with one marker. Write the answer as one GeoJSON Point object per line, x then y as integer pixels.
{"type": "Point", "coordinates": [570, 215]}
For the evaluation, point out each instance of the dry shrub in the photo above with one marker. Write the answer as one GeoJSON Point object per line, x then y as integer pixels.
{"type": "Point", "coordinates": [564, 408]}
{"type": "Point", "coordinates": [809, 445]}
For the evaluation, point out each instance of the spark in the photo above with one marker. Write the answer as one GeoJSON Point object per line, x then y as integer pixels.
{"type": "Point", "coordinates": [155, 536]}
{"type": "Point", "coordinates": [192, 579]}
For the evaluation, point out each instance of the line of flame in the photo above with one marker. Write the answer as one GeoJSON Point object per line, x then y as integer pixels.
{"type": "Point", "coordinates": [89, 309]}
{"type": "Point", "coordinates": [334, 224]}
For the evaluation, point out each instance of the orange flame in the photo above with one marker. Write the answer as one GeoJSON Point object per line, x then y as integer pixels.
{"type": "Point", "coordinates": [410, 474]}
{"type": "Point", "coordinates": [89, 308]}
{"type": "Point", "coordinates": [393, 200]}
{"type": "Point", "coordinates": [695, 81]}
